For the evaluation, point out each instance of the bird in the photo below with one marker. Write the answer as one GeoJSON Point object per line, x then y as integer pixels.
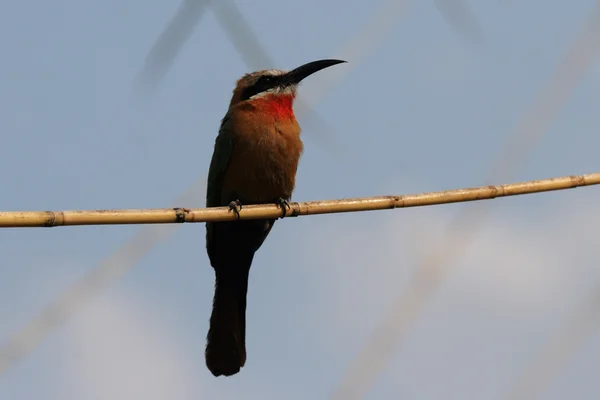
{"type": "Point", "coordinates": [254, 161]}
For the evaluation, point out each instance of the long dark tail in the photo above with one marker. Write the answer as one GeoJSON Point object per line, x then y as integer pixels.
{"type": "Point", "coordinates": [231, 247]}
{"type": "Point", "coordinates": [226, 341]}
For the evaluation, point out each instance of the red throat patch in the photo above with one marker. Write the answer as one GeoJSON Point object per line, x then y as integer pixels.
{"type": "Point", "coordinates": [279, 106]}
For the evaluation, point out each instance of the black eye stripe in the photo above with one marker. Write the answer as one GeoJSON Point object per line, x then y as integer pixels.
{"type": "Point", "coordinates": [262, 84]}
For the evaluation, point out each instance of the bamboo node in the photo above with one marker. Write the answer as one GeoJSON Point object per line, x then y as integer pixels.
{"type": "Point", "coordinates": [51, 217]}
{"type": "Point", "coordinates": [494, 192]}
{"type": "Point", "coordinates": [295, 209]}
{"type": "Point", "coordinates": [180, 214]}
{"type": "Point", "coordinates": [578, 180]}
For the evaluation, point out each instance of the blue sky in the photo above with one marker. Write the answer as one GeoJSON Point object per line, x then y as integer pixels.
{"type": "Point", "coordinates": [426, 108]}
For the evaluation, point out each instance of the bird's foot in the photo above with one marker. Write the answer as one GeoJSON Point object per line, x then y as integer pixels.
{"type": "Point", "coordinates": [236, 207]}
{"type": "Point", "coordinates": [284, 205]}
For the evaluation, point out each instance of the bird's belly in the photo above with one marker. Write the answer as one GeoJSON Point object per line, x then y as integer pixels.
{"type": "Point", "coordinates": [261, 171]}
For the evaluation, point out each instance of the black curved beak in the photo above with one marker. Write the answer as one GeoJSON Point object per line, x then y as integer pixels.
{"type": "Point", "coordinates": [295, 76]}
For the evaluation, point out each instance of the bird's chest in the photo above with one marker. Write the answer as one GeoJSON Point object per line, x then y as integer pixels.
{"type": "Point", "coordinates": [264, 163]}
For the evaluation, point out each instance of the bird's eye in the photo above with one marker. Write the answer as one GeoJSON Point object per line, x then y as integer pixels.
{"type": "Point", "coordinates": [262, 84]}
{"type": "Point", "coordinates": [265, 81]}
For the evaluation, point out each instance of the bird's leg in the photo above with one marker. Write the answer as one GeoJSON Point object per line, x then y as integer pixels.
{"type": "Point", "coordinates": [283, 204]}
{"type": "Point", "coordinates": [236, 207]}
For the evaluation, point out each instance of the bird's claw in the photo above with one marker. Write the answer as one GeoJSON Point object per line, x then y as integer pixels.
{"type": "Point", "coordinates": [236, 207]}
{"type": "Point", "coordinates": [284, 205]}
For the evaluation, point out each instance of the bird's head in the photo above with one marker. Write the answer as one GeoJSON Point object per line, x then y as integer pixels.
{"type": "Point", "coordinates": [274, 83]}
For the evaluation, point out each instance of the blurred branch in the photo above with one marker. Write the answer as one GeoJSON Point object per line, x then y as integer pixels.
{"type": "Point", "coordinates": [557, 352]}
{"type": "Point", "coordinates": [214, 214]}
{"type": "Point", "coordinates": [374, 357]}
{"type": "Point", "coordinates": [584, 320]}
{"type": "Point", "coordinates": [457, 13]}
{"type": "Point", "coordinates": [61, 308]}
{"type": "Point", "coordinates": [241, 35]}
{"type": "Point", "coordinates": [363, 43]}
{"type": "Point", "coordinates": [169, 44]}
{"type": "Point", "coordinates": [246, 42]}
{"type": "Point", "coordinates": [109, 270]}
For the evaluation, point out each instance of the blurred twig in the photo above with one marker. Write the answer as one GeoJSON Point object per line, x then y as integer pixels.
{"type": "Point", "coordinates": [375, 29]}
{"type": "Point", "coordinates": [169, 44]}
{"type": "Point", "coordinates": [25, 340]}
{"type": "Point", "coordinates": [458, 15]}
{"type": "Point", "coordinates": [214, 214]}
{"type": "Point", "coordinates": [556, 353]}
{"type": "Point", "coordinates": [373, 358]}
{"type": "Point", "coordinates": [246, 42]}
{"type": "Point", "coordinates": [240, 33]}
{"type": "Point", "coordinates": [94, 282]}
{"type": "Point", "coordinates": [242, 36]}
{"type": "Point", "coordinates": [56, 312]}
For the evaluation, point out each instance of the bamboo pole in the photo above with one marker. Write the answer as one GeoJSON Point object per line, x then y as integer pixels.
{"type": "Point", "coordinates": [13, 219]}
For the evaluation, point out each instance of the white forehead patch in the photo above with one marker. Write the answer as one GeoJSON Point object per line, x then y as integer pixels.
{"type": "Point", "coordinates": [274, 72]}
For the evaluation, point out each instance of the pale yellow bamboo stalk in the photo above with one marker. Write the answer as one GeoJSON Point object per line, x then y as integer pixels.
{"type": "Point", "coordinates": [12, 219]}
